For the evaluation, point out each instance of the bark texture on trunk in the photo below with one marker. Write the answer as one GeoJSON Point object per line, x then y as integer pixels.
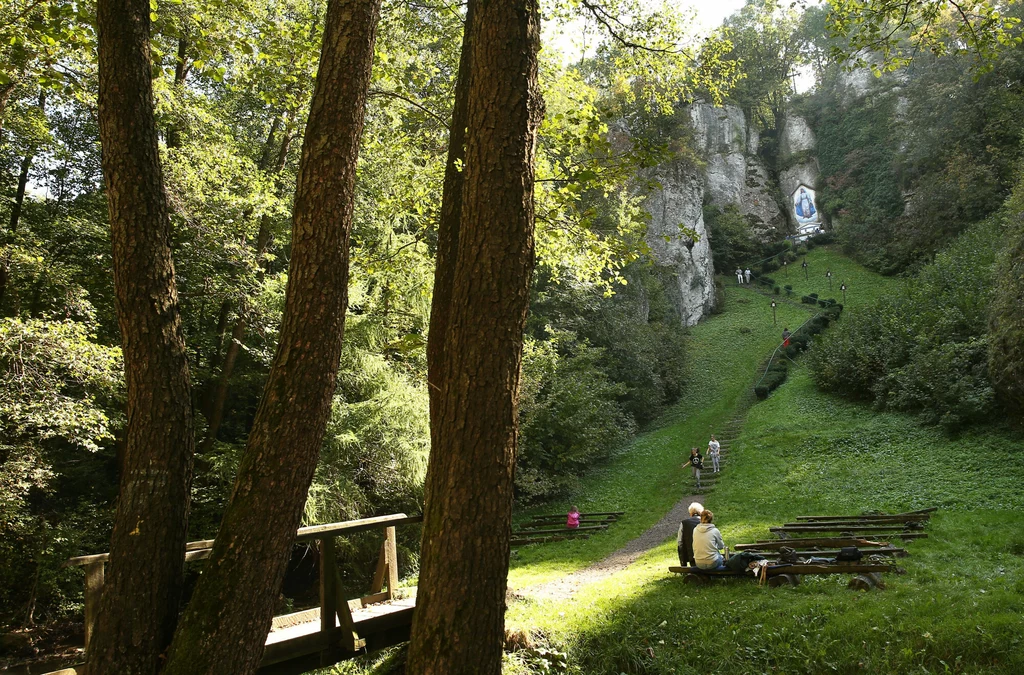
{"type": "Point", "coordinates": [225, 625]}
{"type": "Point", "coordinates": [448, 226]}
{"type": "Point", "coordinates": [143, 579]}
{"type": "Point", "coordinates": [459, 621]}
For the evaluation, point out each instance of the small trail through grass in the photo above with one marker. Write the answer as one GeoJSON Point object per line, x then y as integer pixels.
{"type": "Point", "coordinates": [726, 353]}
{"type": "Point", "coordinates": [959, 608]}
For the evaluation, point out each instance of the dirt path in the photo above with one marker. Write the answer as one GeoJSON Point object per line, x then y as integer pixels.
{"type": "Point", "coordinates": [566, 587]}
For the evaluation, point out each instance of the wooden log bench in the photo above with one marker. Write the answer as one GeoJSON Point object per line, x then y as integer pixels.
{"type": "Point", "coordinates": [785, 574]}
{"type": "Point", "coordinates": [831, 542]}
{"type": "Point", "coordinates": [922, 514]}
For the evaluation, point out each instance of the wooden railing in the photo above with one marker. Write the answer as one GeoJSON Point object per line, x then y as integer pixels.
{"type": "Point", "coordinates": [338, 628]}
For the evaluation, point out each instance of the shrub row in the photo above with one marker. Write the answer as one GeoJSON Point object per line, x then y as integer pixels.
{"type": "Point", "coordinates": [798, 342]}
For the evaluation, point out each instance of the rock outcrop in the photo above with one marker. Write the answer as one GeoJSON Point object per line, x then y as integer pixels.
{"type": "Point", "coordinates": [799, 175]}
{"type": "Point", "coordinates": [735, 174]}
{"type": "Point", "coordinates": [679, 203]}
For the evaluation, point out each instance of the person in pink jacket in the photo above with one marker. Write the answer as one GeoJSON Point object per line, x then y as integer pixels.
{"type": "Point", "coordinates": [574, 518]}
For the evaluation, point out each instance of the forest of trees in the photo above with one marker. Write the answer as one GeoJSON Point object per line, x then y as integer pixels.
{"type": "Point", "coordinates": [240, 243]}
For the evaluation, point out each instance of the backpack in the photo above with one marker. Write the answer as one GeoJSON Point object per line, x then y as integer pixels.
{"type": "Point", "coordinates": [849, 554]}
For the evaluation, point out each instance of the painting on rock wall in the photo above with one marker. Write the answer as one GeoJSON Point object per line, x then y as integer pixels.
{"type": "Point", "coordinates": [805, 209]}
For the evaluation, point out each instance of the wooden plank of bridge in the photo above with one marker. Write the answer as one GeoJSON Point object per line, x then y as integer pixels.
{"type": "Point", "coordinates": [328, 586]}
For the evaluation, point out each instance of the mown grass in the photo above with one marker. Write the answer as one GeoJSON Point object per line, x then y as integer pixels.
{"type": "Point", "coordinates": [646, 478]}
{"type": "Point", "coordinates": [863, 287]}
{"type": "Point", "coordinates": [958, 608]}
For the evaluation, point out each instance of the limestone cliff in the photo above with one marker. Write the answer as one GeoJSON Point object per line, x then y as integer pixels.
{"type": "Point", "coordinates": [679, 202]}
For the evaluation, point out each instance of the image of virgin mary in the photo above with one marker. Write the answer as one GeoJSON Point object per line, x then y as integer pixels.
{"type": "Point", "coordinates": [805, 205]}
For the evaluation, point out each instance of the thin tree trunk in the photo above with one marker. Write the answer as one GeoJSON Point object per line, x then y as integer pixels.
{"type": "Point", "coordinates": [222, 330]}
{"type": "Point", "coordinates": [19, 196]}
{"type": "Point", "coordinates": [448, 226]}
{"type": "Point", "coordinates": [5, 95]}
{"type": "Point", "coordinates": [459, 621]}
{"type": "Point", "coordinates": [219, 395]}
{"type": "Point", "coordinates": [226, 623]}
{"type": "Point", "coordinates": [180, 73]}
{"type": "Point", "coordinates": [16, 208]}
{"type": "Point", "coordinates": [140, 601]}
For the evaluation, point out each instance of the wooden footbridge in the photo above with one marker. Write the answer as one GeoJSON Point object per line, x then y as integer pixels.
{"type": "Point", "coordinates": [338, 629]}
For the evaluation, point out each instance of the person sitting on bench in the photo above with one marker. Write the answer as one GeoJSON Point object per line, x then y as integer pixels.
{"type": "Point", "coordinates": [684, 538]}
{"type": "Point", "coordinates": [708, 544]}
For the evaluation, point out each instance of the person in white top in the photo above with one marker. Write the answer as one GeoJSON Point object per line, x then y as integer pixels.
{"type": "Point", "coordinates": [714, 450]}
{"type": "Point", "coordinates": [739, 275]}
{"type": "Point", "coordinates": [708, 547]}
{"type": "Point", "coordinates": [747, 273]}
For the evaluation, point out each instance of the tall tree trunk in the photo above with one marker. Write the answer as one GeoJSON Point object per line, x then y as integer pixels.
{"type": "Point", "coordinates": [225, 625]}
{"type": "Point", "coordinates": [143, 580]}
{"type": "Point", "coordinates": [218, 397]}
{"type": "Point", "coordinates": [459, 621]}
{"type": "Point", "coordinates": [448, 227]}
{"type": "Point", "coordinates": [180, 73]}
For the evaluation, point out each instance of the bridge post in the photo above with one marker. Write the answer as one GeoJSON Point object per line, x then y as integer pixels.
{"type": "Point", "coordinates": [94, 578]}
{"type": "Point", "coordinates": [391, 552]}
{"type": "Point", "coordinates": [328, 585]}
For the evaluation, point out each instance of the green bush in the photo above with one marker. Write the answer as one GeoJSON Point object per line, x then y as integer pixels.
{"type": "Point", "coordinates": [1006, 317]}
{"type": "Point", "coordinates": [772, 378]}
{"type": "Point", "coordinates": [923, 350]}
{"type": "Point", "coordinates": [571, 416]}
{"type": "Point", "coordinates": [808, 300]}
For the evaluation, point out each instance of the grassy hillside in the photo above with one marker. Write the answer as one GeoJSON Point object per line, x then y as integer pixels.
{"type": "Point", "coordinates": [724, 353]}
{"type": "Point", "coordinates": [958, 608]}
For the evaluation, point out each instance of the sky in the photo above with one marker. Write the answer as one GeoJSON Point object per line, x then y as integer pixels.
{"type": "Point", "coordinates": [709, 15]}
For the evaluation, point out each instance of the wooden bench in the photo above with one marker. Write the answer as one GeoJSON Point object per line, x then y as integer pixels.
{"type": "Point", "coordinates": [784, 574]}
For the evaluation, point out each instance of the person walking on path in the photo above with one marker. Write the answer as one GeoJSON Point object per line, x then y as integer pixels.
{"type": "Point", "coordinates": [714, 451]}
{"type": "Point", "coordinates": [697, 462]}
{"type": "Point", "coordinates": [739, 276]}
{"type": "Point", "coordinates": [684, 538]}
{"type": "Point", "coordinates": [747, 273]}
{"type": "Point", "coordinates": [785, 337]}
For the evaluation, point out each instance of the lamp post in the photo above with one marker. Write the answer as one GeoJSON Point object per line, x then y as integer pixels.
{"type": "Point", "coordinates": [774, 319]}
{"type": "Point", "coordinates": [805, 271]}
{"type": "Point", "coordinates": [842, 287]}
{"type": "Point", "coordinates": [828, 273]}
{"type": "Point", "coordinates": [785, 267]}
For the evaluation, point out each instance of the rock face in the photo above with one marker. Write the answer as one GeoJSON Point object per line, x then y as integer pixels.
{"type": "Point", "coordinates": [735, 175]}
{"type": "Point", "coordinates": [679, 202]}
{"type": "Point", "coordinates": [799, 175]}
